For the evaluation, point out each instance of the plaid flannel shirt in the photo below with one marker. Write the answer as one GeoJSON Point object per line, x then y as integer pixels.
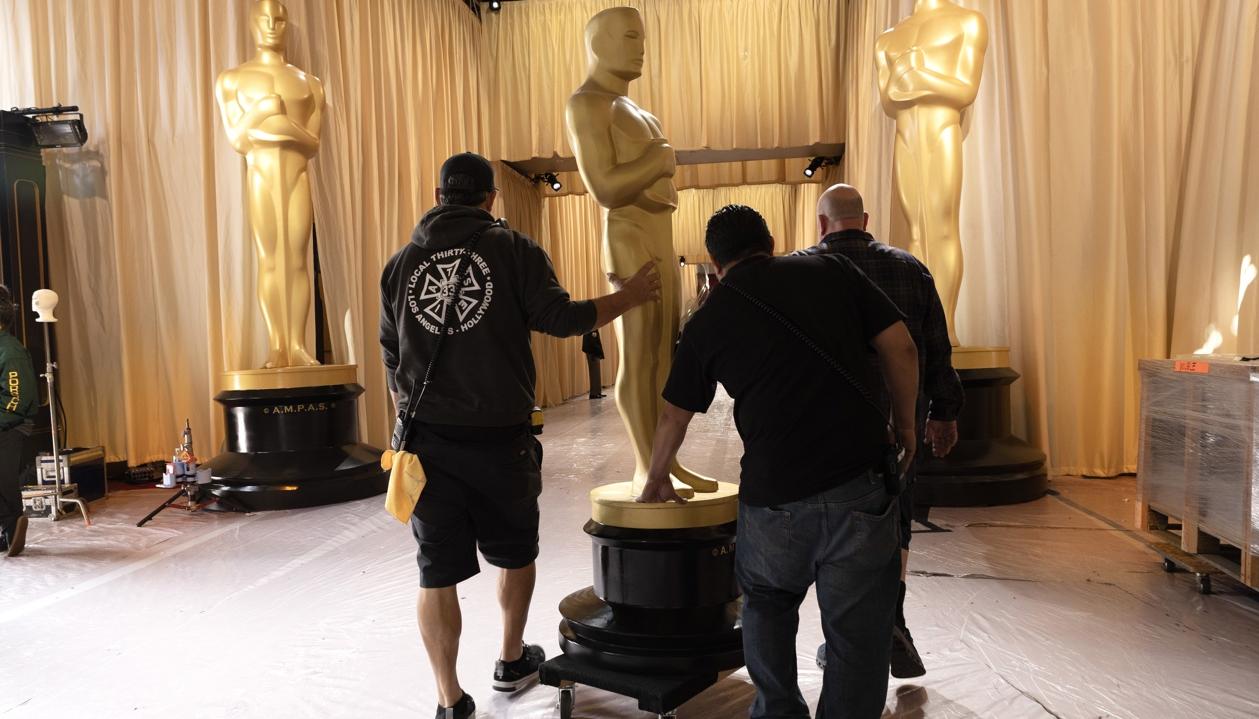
{"type": "Point", "coordinates": [909, 284]}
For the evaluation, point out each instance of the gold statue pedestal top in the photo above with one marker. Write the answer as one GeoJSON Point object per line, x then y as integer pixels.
{"type": "Point", "coordinates": [980, 357]}
{"type": "Point", "coordinates": [289, 377]}
{"type": "Point", "coordinates": [613, 505]}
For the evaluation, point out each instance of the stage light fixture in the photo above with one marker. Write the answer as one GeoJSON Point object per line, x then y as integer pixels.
{"type": "Point", "coordinates": [818, 163]}
{"type": "Point", "coordinates": [550, 179]}
{"type": "Point", "coordinates": [59, 126]}
{"type": "Point", "coordinates": [496, 5]}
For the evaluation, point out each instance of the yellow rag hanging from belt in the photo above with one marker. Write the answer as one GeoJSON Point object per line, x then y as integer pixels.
{"type": "Point", "coordinates": [406, 483]}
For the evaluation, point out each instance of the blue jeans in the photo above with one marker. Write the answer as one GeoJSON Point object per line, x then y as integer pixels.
{"type": "Point", "coordinates": [847, 541]}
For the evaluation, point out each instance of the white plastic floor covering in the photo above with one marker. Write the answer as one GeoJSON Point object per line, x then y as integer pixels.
{"type": "Point", "coordinates": [1038, 610]}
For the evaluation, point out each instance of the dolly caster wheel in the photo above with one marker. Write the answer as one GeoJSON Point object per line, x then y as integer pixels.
{"type": "Point", "coordinates": [1168, 565]}
{"type": "Point", "coordinates": [566, 702]}
{"type": "Point", "coordinates": [1204, 584]}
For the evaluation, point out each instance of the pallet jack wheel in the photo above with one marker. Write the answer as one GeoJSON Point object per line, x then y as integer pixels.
{"type": "Point", "coordinates": [567, 700]}
{"type": "Point", "coordinates": [1168, 565]}
{"type": "Point", "coordinates": [1204, 584]}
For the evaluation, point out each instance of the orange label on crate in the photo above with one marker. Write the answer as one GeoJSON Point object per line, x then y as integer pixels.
{"type": "Point", "coordinates": [1192, 366]}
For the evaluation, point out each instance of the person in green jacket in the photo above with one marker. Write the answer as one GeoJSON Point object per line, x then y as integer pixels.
{"type": "Point", "coordinates": [19, 401]}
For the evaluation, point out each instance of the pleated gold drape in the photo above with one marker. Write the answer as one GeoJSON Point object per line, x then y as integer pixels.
{"type": "Point", "coordinates": [1110, 196]}
{"type": "Point", "coordinates": [719, 74]}
{"type": "Point", "coordinates": [401, 79]}
{"type": "Point", "coordinates": [148, 236]}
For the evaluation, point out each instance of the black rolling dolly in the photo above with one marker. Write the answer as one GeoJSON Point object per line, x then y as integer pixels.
{"type": "Point", "coordinates": [661, 623]}
{"type": "Point", "coordinates": [660, 695]}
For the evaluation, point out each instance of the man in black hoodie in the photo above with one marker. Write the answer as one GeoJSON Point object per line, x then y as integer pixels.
{"type": "Point", "coordinates": [482, 287]}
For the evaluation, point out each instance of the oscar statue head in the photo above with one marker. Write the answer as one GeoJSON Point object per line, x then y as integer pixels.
{"type": "Point", "coordinates": [615, 43]}
{"type": "Point", "coordinates": [269, 21]}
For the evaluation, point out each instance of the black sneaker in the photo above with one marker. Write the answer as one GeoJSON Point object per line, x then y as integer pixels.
{"type": "Point", "coordinates": [906, 663]}
{"type": "Point", "coordinates": [513, 676]}
{"type": "Point", "coordinates": [465, 708]}
{"type": "Point", "coordinates": [17, 542]}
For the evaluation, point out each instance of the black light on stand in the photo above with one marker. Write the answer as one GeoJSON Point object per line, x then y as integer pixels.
{"type": "Point", "coordinates": [43, 302]}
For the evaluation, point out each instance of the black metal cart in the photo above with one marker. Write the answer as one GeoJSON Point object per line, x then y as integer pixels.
{"type": "Point", "coordinates": [657, 694]}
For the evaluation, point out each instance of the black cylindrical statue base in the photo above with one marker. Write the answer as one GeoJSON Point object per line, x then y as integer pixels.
{"type": "Point", "coordinates": [664, 601]}
{"type": "Point", "coordinates": [989, 466]}
{"type": "Point", "coordinates": [290, 448]}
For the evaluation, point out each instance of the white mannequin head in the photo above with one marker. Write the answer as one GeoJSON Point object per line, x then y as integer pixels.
{"type": "Point", "coordinates": [43, 302]}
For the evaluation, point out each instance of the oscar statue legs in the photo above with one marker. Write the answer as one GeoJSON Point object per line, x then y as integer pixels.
{"type": "Point", "coordinates": [283, 280]}
{"type": "Point", "coordinates": [299, 282]}
{"type": "Point", "coordinates": [633, 238]}
{"type": "Point", "coordinates": [928, 174]}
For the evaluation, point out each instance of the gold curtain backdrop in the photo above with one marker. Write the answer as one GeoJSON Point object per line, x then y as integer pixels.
{"type": "Point", "coordinates": [1108, 207]}
{"type": "Point", "coordinates": [718, 73]}
{"type": "Point", "coordinates": [148, 236]}
{"type": "Point", "coordinates": [1110, 195]}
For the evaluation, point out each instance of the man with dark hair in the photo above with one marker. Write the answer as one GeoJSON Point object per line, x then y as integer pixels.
{"type": "Point", "coordinates": [842, 222]}
{"type": "Point", "coordinates": [787, 337]}
{"type": "Point", "coordinates": [18, 404]}
{"type": "Point", "coordinates": [481, 288]}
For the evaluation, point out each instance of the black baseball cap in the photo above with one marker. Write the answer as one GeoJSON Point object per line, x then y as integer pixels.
{"type": "Point", "coordinates": [468, 172]}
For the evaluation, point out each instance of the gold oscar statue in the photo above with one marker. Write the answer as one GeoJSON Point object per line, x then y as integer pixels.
{"type": "Point", "coordinates": [628, 166]}
{"type": "Point", "coordinates": [272, 112]}
{"type": "Point", "coordinates": [929, 70]}
{"type": "Point", "coordinates": [292, 435]}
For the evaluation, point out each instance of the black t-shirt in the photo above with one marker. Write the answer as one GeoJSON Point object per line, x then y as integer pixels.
{"type": "Point", "coordinates": [804, 428]}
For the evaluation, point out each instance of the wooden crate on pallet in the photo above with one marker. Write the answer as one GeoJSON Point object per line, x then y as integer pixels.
{"type": "Point", "coordinates": [1197, 461]}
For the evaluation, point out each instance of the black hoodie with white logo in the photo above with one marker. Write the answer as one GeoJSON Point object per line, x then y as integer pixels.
{"type": "Point", "coordinates": [484, 375]}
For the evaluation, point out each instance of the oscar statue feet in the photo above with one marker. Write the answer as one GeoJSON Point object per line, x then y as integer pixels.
{"type": "Point", "coordinates": [299, 357]}
{"type": "Point", "coordinates": [698, 482]}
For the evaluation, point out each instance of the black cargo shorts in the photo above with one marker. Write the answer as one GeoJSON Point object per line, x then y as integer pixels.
{"type": "Point", "coordinates": [482, 493]}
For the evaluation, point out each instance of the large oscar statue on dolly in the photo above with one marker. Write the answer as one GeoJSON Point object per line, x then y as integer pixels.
{"type": "Point", "coordinates": [664, 598]}
{"type": "Point", "coordinates": [929, 68]}
{"type": "Point", "coordinates": [292, 426]}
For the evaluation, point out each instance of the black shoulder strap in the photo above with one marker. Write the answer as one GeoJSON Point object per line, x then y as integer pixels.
{"type": "Point", "coordinates": [460, 275]}
{"type": "Point", "coordinates": [811, 344]}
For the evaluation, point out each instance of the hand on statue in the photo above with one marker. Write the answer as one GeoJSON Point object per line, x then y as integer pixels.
{"type": "Point", "coordinates": [659, 490]}
{"type": "Point", "coordinates": [942, 436]}
{"type": "Point", "coordinates": [643, 287]}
